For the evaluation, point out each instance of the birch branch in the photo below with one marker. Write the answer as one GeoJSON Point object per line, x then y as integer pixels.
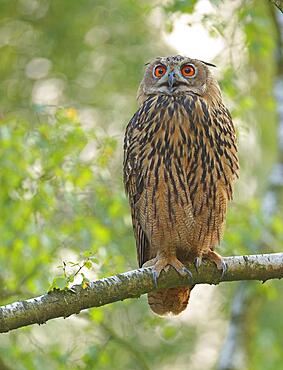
{"type": "Point", "coordinates": [278, 4]}
{"type": "Point", "coordinates": [133, 284]}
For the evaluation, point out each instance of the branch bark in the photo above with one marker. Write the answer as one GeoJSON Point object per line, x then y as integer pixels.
{"type": "Point", "coordinates": [278, 4]}
{"type": "Point", "coordinates": [133, 284]}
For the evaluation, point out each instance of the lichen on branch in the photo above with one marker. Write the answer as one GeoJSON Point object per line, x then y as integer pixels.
{"type": "Point", "coordinates": [132, 284]}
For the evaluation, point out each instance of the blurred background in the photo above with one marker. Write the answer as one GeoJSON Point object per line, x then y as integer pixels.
{"type": "Point", "coordinates": [69, 71]}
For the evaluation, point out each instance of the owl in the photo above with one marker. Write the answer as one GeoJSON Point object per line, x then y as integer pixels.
{"type": "Point", "coordinates": [180, 163]}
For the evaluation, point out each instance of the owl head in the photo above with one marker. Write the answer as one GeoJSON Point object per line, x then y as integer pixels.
{"type": "Point", "coordinates": [174, 75]}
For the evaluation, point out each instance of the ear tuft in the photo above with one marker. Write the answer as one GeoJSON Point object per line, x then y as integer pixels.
{"type": "Point", "coordinates": [209, 64]}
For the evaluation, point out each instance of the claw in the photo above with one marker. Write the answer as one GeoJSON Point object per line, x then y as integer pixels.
{"type": "Point", "coordinates": [218, 260]}
{"type": "Point", "coordinates": [163, 263]}
{"type": "Point", "coordinates": [188, 272]}
{"type": "Point", "coordinates": [224, 268]}
{"type": "Point", "coordinates": [155, 276]}
{"type": "Point", "coordinates": [183, 271]}
{"type": "Point", "coordinates": [197, 263]}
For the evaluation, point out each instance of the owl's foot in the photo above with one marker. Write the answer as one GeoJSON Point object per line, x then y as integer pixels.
{"type": "Point", "coordinates": [218, 260]}
{"type": "Point", "coordinates": [163, 263]}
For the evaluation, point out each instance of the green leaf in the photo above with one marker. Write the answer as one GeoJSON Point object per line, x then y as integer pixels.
{"type": "Point", "coordinates": [88, 264]}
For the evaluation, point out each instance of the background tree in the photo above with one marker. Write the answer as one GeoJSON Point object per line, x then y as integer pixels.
{"type": "Point", "coordinates": [69, 71]}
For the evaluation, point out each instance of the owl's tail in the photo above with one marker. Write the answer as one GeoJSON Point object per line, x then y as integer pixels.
{"type": "Point", "coordinates": [172, 300]}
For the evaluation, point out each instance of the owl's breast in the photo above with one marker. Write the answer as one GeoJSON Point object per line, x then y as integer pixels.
{"type": "Point", "coordinates": [183, 157]}
{"type": "Point", "coordinates": [163, 160]}
{"type": "Point", "coordinates": [184, 162]}
{"type": "Point", "coordinates": [171, 148]}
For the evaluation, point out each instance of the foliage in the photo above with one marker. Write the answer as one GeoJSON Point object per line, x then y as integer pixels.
{"type": "Point", "coordinates": [69, 71]}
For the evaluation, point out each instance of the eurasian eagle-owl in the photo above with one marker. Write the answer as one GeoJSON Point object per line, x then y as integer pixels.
{"type": "Point", "coordinates": [180, 162]}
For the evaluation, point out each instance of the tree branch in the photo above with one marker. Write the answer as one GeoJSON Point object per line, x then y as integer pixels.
{"type": "Point", "coordinates": [132, 284]}
{"type": "Point", "coordinates": [278, 4]}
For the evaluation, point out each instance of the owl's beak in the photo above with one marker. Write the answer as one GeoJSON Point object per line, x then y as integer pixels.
{"type": "Point", "coordinates": [171, 80]}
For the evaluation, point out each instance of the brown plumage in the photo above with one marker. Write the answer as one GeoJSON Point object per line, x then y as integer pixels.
{"type": "Point", "coordinates": [180, 163]}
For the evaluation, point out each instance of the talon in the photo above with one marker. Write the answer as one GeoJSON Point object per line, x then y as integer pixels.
{"type": "Point", "coordinates": [218, 260]}
{"type": "Point", "coordinates": [188, 272]}
{"type": "Point", "coordinates": [182, 270]}
{"type": "Point", "coordinates": [162, 263]}
{"type": "Point", "coordinates": [155, 272]}
{"type": "Point", "coordinates": [155, 276]}
{"type": "Point", "coordinates": [224, 268]}
{"type": "Point", "coordinates": [197, 263]}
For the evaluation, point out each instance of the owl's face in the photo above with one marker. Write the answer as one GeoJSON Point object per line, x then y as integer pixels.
{"type": "Point", "coordinates": [174, 75]}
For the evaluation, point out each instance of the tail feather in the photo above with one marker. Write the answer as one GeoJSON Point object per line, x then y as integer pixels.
{"type": "Point", "coordinates": [172, 300]}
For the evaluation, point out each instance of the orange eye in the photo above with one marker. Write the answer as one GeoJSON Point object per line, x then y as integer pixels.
{"type": "Point", "coordinates": [188, 70]}
{"type": "Point", "coordinates": [159, 71]}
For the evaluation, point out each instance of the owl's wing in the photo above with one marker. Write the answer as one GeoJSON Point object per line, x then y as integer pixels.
{"type": "Point", "coordinates": [134, 184]}
{"type": "Point", "coordinates": [225, 155]}
{"type": "Point", "coordinates": [214, 142]}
